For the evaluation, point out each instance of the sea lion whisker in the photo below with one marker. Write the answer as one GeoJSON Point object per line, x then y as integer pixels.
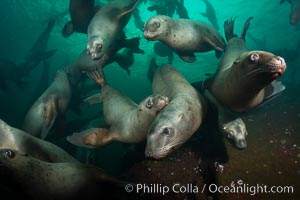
{"type": "Point", "coordinates": [255, 71]}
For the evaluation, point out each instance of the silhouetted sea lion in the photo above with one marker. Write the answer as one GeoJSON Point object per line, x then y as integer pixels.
{"type": "Point", "coordinates": [44, 180]}
{"type": "Point", "coordinates": [243, 79]}
{"type": "Point", "coordinates": [81, 12]}
{"type": "Point", "coordinates": [53, 102]}
{"type": "Point", "coordinates": [15, 139]}
{"type": "Point", "coordinates": [128, 121]}
{"type": "Point", "coordinates": [180, 119]}
{"type": "Point", "coordinates": [184, 36]}
{"type": "Point", "coordinates": [106, 26]}
{"type": "Point", "coordinates": [36, 54]}
{"type": "Point", "coordinates": [295, 11]}
{"type": "Point", "coordinates": [210, 14]}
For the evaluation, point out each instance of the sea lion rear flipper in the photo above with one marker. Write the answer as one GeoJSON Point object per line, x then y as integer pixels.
{"type": "Point", "coordinates": [190, 58]}
{"type": "Point", "coordinates": [94, 99]}
{"type": "Point", "coordinates": [134, 44]}
{"type": "Point", "coordinates": [128, 8]}
{"type": "Point", "coordinates": [67, 30]}
{"type": "Point", "coordinates": [90, 138]}
{"type": "Point", "coordinates": [273, 90]}
{"type": "Point", "coordinates": [229, 29]}
{"type": "Point", "coordinates": [152, 68]}
{"type": "Point", "coordinates": [246, 27]}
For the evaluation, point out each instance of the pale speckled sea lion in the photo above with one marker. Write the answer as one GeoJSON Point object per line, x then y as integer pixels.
{"type": "Point", "coordinates": [44, 180]}
{"type": "Point", "coordinates": [106, 26]}
{"type": "Point", "coordinates": [236, 131]}
{"type": "Point", "coordinates": [15, 139]}
{"type": "Point", "coordinates": [53, 102]}
{"type": "Point", "coordinates": [180, 119]}
{"type": "Point", "coordinates": [184, 36]}
{"type": "Point", "coordinates": [245, 79]}
{"type": "Point", "coordinates": [128, 121]}
{"type": "Point", "coordinates": [295, 11]}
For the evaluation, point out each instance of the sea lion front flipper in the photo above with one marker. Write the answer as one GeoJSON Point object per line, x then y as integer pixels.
{"type": "Point", "coordinates": [90, 138]}
{"type": "Point", "coordinates": [190, 58]}
{"type": "Point", "coordinates": [50, 115]}
{"type": "Point", "coordinates": [94, 99]}
{"type": "Point", "coordinates": [67, 30]}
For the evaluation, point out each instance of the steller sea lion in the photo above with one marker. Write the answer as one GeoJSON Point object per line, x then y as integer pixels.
{"type": "Point", "coordinates": [184, 36]}
{"type": "Point", "coordinates": [106, 26]}
{"type": "Point", "coordinates": [128, 121]}
{"type": "Point", "coordinates": [244, 79]}
{"type": "Point", "coordinates": [53, 102]}
{"type": "Point", "coordinates": [15, 139]}
{"type": "Point", "coordinates": [236, 131]}
{"type": "Point", "coordinates": [44, 180]}
{"type": "Point", "coordinates": [210, 14]}
{"type": "Point", "coordinates": [81, 12]}
{"type": "Point", "coordinates": [295, 11]}
{"type": "Point", "coordinates": [180, 119]}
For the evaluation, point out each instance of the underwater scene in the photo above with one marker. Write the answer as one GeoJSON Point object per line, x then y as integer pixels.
{"type": "Point", "coordinates": [150, 99]}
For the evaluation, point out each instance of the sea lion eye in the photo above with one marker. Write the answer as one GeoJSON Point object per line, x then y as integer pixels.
{"type": "Point", "coordinates": [9, 153]}
{"type": "Point", "coordinates": [254, 57]}
{"type": "Point", "coordinates": [167, 131]}
{"type": "Point", "coordinates": [149, 103]}
{"type": "Point", "coordinates": [156, 24]}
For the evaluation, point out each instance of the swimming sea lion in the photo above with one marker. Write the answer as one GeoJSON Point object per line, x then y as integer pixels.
{"type": "Point", "coordinates": [182, 11]}
{"type": "Point", "coordinates": [163, 50]}
{"type": "Point", "coordinates": [81, 12]}
{"type": "Point", "coordinates": [37, 53]}
{"type": "Point", "coordinates": [53, 102]}
{"type": "Point", "coordinates": [236, 131]}
{"type": "Point", "coordinates": [295, 11]}
{"type": "Point", "coordinates": [210, 14]}
{"type": "Point", "coordinates": [44, 180]}
{"type": "Point", "coordinates": [180, 119]}
{"type": "Point", "coordinates": [128, 121]}
{"type": "Point", "coordinates": [106, 25]}
{"type": "Point", "coordinates": [15, 139]}
{"type": "Point", "coordinates": [245, 78]}
{"type": "Point", "coordinates": [184, 36]}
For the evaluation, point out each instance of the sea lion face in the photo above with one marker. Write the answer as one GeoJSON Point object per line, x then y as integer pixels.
{"type": "Point", "coordinates": [156, 27]}
{"type": "Point", "coordinates": [154, 103]}
{"type": "Point", "coordinates": [236, 132]}
{"type": "Point", "coordinates": [255, 63]}
{"type": "Point", "coordinates": [95, 48]}
{"type": "Point", "coordinates": [164, 135]}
